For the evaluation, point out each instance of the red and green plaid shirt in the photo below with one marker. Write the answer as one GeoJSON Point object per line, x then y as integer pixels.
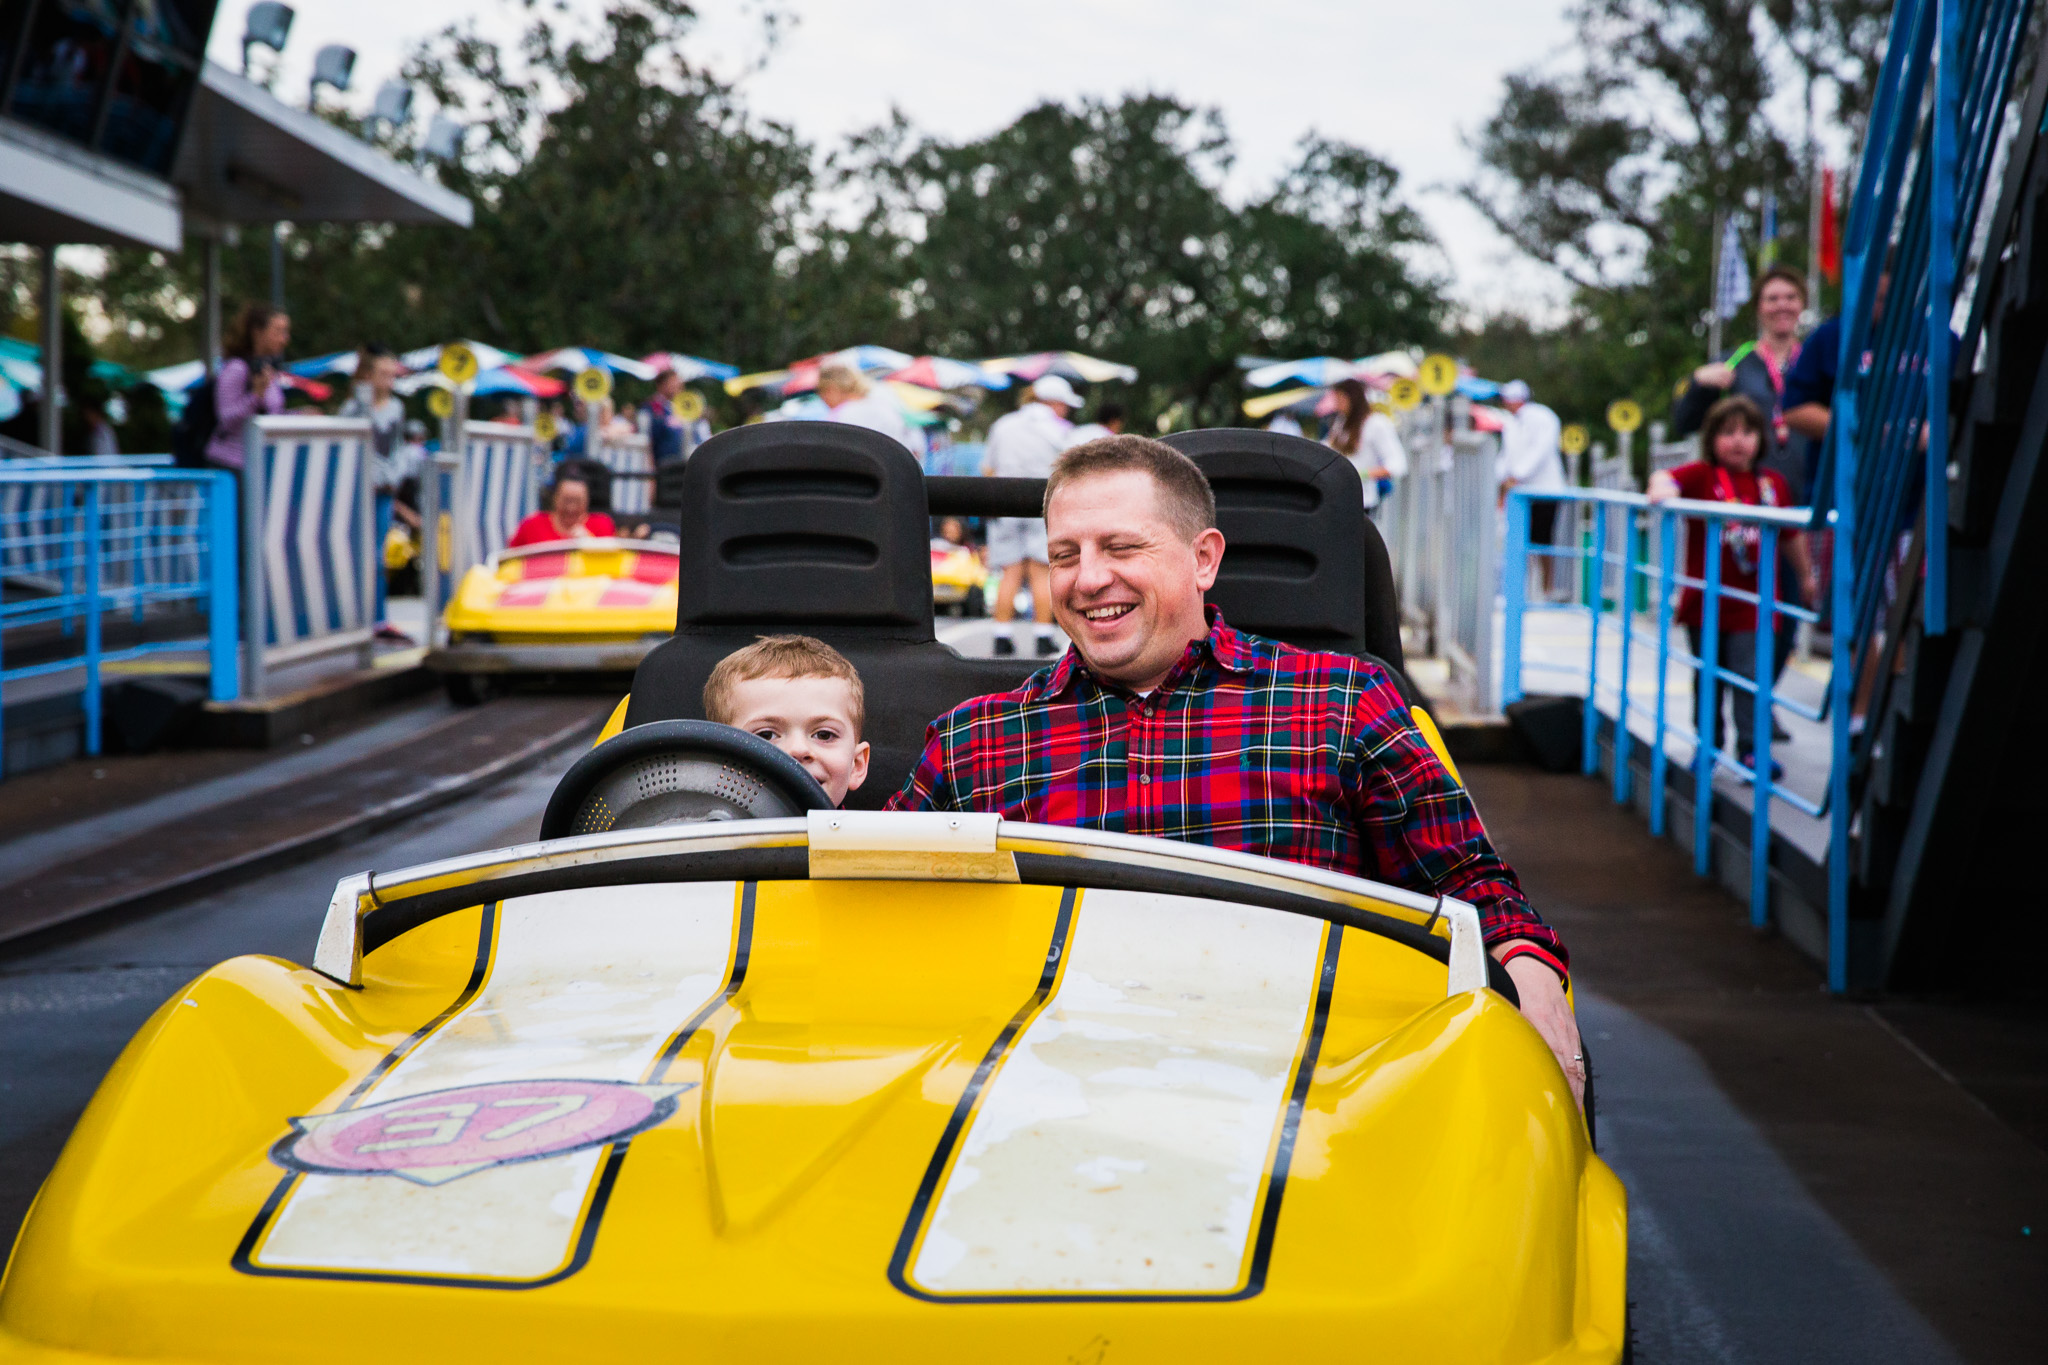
{"type": "Point", "coordinates": [1248, 744]}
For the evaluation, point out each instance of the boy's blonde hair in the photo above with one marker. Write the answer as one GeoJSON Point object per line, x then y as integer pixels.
{"type": "Point", "coordinates": [782, 656]}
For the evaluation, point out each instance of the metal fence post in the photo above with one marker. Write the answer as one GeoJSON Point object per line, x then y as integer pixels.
{"type": "Point", "coordinates": [1708, 695]}
{"type": "Point", "coordinates": [1667, 558]}
{"type": "Point", "coordinates": [371, 554]}
{"type": "Point", "coordinates": [91, 505]}
{"type": "Point", "coordinates": [1596, 574]}
{"type": "Point", "coordinates": [1765, 659]}
{"type": "Point", "coordinates": [255, 623]}
{"type": "Point", "coordinates": [1514, 594]}
{"type": "Point", "coordinates": [1625, 610]}
{"type": "Point", "coordinates": [224, 681]}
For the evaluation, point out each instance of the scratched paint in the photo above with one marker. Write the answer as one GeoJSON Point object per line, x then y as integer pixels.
{"type": "Point", "coordinates": [584, 984]}
{"type": "Point", "coordinates": [1122, 1146]}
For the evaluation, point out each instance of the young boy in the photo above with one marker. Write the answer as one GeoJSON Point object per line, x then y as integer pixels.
{"type": "Point", "coordinates": [802, 696]}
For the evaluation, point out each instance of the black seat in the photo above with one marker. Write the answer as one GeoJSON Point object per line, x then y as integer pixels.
{"type": "Point", "coordinates": [814, 528]}
{"type": "Point", "coordinates": [1302, 562]}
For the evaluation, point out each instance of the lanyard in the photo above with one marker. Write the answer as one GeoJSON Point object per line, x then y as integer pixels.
{"type": "Point", "coordinates": [1778, 427]}
{"type": "Point", "coordinates": [1739, 540]}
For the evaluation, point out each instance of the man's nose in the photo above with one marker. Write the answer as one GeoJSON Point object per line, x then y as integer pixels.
{"type": "Point", "coordinates": [1092, 573]}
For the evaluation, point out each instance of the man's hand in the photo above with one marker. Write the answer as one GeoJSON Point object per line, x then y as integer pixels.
{"type": "Point", "coordinates": [1544, 1005]}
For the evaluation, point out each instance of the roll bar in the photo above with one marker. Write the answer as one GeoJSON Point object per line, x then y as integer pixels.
{"type": "Point", "coordinates": [370, 909]}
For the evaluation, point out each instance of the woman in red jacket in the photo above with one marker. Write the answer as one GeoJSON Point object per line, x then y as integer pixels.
{"type": "Point", "coordinates": [1731, 440]}
{"type": "Point", "coordinates": [568, 517]}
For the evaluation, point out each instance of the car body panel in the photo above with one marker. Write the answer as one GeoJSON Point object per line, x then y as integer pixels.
{"type": "Point", "coordinates": [595, 605]}
{"type": "Point", "coordinates": [955, 573]}
{"type": "Point", "coordinates": [865, 1118]}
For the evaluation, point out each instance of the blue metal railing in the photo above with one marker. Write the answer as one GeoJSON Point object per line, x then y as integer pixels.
{"type": "Point", "coordinates": [1637, 614]}
{"type": "Point", "coordinates": [1925, 179]}
{"type": "Point", "coordinates": [85, 541]}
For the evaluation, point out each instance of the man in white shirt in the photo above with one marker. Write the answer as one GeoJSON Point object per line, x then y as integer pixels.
{"type": "Point", "coordinates": [1530, 459]}
{"type": "Point", "coordinates": [1109, 421]}
{"type": "Point", "coordinates": [844, 390]}
{"type": "Point", "coordinates": [1023, 445]}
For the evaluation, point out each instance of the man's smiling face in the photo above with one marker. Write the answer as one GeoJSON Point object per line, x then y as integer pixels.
{"type": "Point", "coordinates": [1127, 583]}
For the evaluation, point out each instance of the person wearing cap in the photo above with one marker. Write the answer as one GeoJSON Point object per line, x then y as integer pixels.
{"type": "Point", "coordinates": [849, 398]}
{"type": "Point", "coordinates": [1530, 460]}
{"type": "Point", "coordinates": [665, 430]}
{"type": "Point", "coordinates": [1023, 445]}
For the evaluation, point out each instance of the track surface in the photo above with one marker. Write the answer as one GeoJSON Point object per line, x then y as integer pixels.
{"type": "Point", "coordinates": [1743, 1248]}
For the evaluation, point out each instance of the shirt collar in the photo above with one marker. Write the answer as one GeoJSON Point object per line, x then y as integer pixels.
{"type": "Point", "coordinates": [1228, 649]}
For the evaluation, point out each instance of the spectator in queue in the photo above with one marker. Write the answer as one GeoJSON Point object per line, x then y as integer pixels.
{"type": "Point", "coordinates": [1729, 470]}
{"type": "Point", "coordinates": [250, 382]}
{"type": "Point", "coordinates": [1758, 370]}
{"type": "Point", "coordinates": [849, 398]}
{"type": "Point", "coordinates": [1530, 459]}
{"type": "Point", "coordinates": [372, 398]}
{"type": "Point", "coordinates": [1109, 421]}
{"type": "Point", "coordinates": [1022, 445]}
{"type": "Point", "coordinates": [665, 430]}
{"type": "Point", "coordinates": [1368, 439]}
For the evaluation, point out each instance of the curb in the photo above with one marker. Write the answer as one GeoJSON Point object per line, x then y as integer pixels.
{"type": "Point", "coordinates": [243, 866]}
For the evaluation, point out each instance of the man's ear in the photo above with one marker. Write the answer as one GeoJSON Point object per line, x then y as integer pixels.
{"type": "Point", "coordinates": [1208, 557]}
{"type": "Point", "coordinates": [860, 767]}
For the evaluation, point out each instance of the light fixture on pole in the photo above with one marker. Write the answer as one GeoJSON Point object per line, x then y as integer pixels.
{"type": "Point", "coordinates": [444, 137]}
{"type": "Point", "coordinates": [268, 25]}
{"type": "Point", "coordinates": [393, 106]}
{"type": "Point", "coordinates": [332, 65]}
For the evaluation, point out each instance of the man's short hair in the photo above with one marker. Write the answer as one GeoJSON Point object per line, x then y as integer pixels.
{"type": "Point", "coordinates": [1184, 492]}
{"type": "Point", "coordinates": [782, 656]}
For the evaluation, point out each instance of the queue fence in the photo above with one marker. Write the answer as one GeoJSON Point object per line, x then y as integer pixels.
{"type": "Point", "coordinates": [1439, 527]}
{"type": "Point", "coordinates": [1628, 569]}
{"type": "Point", "coordinates": [485, 480]}
{"type": "Point", "coordinates": [87, 542]}
{"type": "Point", "coordinates": [631, 462]}
{"type": "Point", "coordinates": [308, 518]}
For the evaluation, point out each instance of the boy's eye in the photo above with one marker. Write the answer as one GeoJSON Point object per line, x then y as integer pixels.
{"type": "Point", "coordinates": [765, 732]}
{"type": "Point", "coordinates": [825, 736]}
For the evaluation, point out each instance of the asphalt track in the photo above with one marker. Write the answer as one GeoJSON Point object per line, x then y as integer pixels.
{"type": "Point", "coordinates": [1733, 1258]}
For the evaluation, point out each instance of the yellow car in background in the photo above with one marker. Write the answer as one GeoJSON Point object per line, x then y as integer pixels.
{"type": "Point", "coordinates": [959, 580]}
{"type": "Point", "coordinates": [573, 606]}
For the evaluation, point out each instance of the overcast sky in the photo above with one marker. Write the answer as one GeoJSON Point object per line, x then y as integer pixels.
{"type": "Point", "coordinates": [1401, 79]}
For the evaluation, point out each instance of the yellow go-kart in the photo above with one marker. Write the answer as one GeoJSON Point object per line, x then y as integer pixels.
{"type": "Point", "coordinates": [958, 579]}
{"type": "Point", "coordinates": [575, 606]}
{"type": "Point", "coordinates": [714, 1072]}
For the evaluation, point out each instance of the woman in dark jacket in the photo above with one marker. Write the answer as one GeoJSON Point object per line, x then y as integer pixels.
{"type": "Point", "coordinates": [1757, 371]}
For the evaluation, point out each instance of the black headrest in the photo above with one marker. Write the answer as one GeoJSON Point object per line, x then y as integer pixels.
{"type": "Point", "coordinates": [1302, 562]}
{"type": "Point", "coordinates": [789, 525]}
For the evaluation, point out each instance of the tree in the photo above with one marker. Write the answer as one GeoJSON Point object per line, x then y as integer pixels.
{"type": "Point", "coordinates": [1612, 169]}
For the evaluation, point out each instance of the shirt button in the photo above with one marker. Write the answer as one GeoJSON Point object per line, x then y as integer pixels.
{"type": "Point", "coordinates": [1145, 779]}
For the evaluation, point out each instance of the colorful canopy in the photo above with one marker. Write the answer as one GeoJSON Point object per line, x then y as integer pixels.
{"type": "Point", "coordinates": [689, 367]}
{"type": "Point", "coordinates": [1266, 404]}
{"type": "Point", "coordinates": [502, 379]}
{"type": "Point", "coordinates": [937, 372]}
{"type": "Point", "coordinates": [487, 357]}
{"type": "Point", "coordinates": [1067, 364]}
{"type": "Point", "coordinates": [577, 359]}
{"type": "Point", "coordinates": [334, 362]}
{"type": "Point", "coordinates": [1316, 370]}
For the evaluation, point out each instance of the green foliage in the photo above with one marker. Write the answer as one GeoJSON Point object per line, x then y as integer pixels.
{"type": "Point", "coordinates": [627, 198]}
{"type": "Point", "coordinates": [1611, 171]}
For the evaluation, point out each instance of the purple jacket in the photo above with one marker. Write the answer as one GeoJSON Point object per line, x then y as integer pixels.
{"type": "Point", "coordinates": [234, 403]}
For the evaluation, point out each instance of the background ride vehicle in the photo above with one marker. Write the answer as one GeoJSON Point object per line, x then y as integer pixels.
{"type": "Point", "coordinates": [713, 1071]}
{"type": "Point", "coordinates": [572, 606]}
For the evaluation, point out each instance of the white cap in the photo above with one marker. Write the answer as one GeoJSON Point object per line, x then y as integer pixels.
{"type": "Point", "coordinates": [1053, 389]}
{"type": "Point", "coordinates": [1514, 391]}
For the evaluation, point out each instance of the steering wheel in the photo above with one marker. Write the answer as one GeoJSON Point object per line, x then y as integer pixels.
{"type": "Point", "coordinates": [673, 771]}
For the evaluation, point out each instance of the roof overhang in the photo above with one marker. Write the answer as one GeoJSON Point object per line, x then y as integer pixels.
{"type": "Point", "coordinates": [248, 157]}
{"type": "Point", "coordinates": [53, 192]}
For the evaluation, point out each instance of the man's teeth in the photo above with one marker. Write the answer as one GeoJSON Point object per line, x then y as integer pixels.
{"type": "Point", "coordinates": [1106, 613]}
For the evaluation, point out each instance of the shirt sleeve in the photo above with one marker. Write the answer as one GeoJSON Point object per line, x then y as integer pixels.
{"type": "Point", "coordinates": [234, 402]}
{"type": "Point", "coordinates": [1422, 832]}
{"type": "Point", "coordinates": [1388, 453]}
{"type": "Point", "coordinates": [1812, 376]}
{"type": "Point", "coordinates": [599, 524]}
{"type": "Point", "coordinates": [928, 787]}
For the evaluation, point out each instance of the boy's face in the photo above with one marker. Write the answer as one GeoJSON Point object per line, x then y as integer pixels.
{"type": "Point", "coordinates": [811, 720]}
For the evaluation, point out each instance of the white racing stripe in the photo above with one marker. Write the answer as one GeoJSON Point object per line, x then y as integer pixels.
{"type": "Point", "coordinates": [1122, 1146]}
{"type": "Point", "coordinates": [587, 985]}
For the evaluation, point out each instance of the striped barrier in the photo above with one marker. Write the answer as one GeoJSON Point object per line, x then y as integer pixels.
{"type": "Point", "coordinates": [480, 497]}
{"type": "Point", "coordinates": [631, 461]}
{"type": "Point", "coordinates": [309, 585]}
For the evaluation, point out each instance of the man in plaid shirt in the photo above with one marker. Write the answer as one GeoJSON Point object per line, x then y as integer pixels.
{"type": "Point", "coordinates": [1162, 720]}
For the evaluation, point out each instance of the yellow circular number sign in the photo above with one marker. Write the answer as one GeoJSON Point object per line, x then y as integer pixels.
{"type": "Point", "coordinates": [1573, 439]}
{"type": "Point", "coordinates": [689, 406]}
{"type": "Point", "coordinates": [458, 362]}
{"type": "Point", "coordinates": [545, 428]}
{"type": "Point", "coordinates": [1624, 414]}
{"type": "Point", "coordinates": [594, 383]}
{"type": "Point", "coordinates": [1438, 374]}
{"type": "Point", "coordinates": [440, 402]}
{"type": "Point", "coordinates": [1405, 395]}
